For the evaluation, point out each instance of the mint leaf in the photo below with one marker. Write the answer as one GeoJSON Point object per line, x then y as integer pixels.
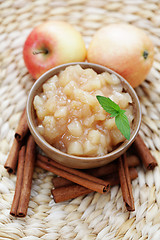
{"type": "Point", "coordinates": [123, 125]}
{"type": "Point", "coordinates": [114, 110]}
{"type": "Point", "coordinates": [109, 106]}
{"type": "Point", "coordinates": [122, 111]}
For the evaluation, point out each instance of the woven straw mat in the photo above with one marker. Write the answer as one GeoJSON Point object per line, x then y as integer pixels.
{"type": "Point", "coordinates": [93, 216]}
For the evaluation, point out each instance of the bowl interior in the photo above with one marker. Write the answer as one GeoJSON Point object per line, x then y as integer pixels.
{"type": "Point", "coordinates": [71, 160]}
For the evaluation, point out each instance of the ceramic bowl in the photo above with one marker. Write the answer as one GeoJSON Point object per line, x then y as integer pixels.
{"type": "Point", "coordinates": [71, 160]}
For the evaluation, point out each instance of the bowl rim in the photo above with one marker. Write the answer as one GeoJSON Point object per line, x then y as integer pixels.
{"type": "Point", "coordinates": [44, 77]}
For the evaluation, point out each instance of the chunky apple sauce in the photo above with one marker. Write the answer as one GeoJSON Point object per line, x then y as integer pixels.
{"type": "Point", "coordinates": [70, 117]}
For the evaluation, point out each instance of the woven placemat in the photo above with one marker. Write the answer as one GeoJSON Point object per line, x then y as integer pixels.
{"type": "Point", "coordinates": [94, 216]}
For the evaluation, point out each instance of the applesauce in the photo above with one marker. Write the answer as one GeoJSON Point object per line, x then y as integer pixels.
{"type": "Point", "coordinates": [70, 117]}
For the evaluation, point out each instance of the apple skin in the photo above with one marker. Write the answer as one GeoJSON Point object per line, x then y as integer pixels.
{"type": "Point", "coordinates": [57, 43]}
{"type": "Point", "coordinates": [123, 48]}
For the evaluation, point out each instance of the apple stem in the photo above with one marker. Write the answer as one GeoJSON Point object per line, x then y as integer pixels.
{"type": "Point", "coordinates": [145, 54]}
{"type": "Point", "coordinates": [40, 51]}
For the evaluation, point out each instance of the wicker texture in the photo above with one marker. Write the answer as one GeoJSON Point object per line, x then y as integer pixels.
{"type": "Point", "coordinates": [94, 216]}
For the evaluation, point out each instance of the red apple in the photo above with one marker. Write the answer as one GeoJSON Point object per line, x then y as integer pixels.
{"type": "Point", "coordinates": [123, 48]}
{"type": "Point", "coordinates": [51, 44]}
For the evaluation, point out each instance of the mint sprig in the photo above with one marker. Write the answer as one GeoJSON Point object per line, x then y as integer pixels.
{"type": "Point", "coordinates": [114, 110]}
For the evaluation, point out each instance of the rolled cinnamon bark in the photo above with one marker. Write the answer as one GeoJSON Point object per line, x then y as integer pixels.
{"type": "Point", "coordinates": [125, 183]}
{"type": "Point", "coordinates": [113, 166]}
{"type": "Point", "coordinates": [11, 162]}
{"type": "Point", "coordinates": [22, 128]}
{"type": "Point", "coordinates": [21, 132]}
{"type": "Point", "coordinates": [65, 193]}
{"type": "Point", "coordinates": [61, 182]}
{"type": "Point", "coordinates": [71, 170]}
{"type": "Point", "coordinates": [110, 168]}
{"type": "Point", "coordinates": [97, 185]}
{"type": "Point", "coordinates": [144, 153]}
{"type": "Point", "coordinates": [27, 178]}
{"type": "Point", "coordinates": [20, 173]}
{"type": "Point", "coordinates": [114, 179]}
{"type": "Point", "coordinates": [133, 160]}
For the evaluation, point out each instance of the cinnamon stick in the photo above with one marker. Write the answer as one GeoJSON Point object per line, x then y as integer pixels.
{"type": "Point", "coordinates": [61, 182]}
{"type": "Point", "coordinates": [110, 168]}
{"type": "Point", "coordinates": [70, 170]}
{"type": "Point", "coordinates": [22, 128]}
{"type": "Point", "coordinates": [114, 179]}
{"type": "Point", "coordinates": [11, 162]}
{"type": "Point", "coordinates": [144, 153]}
{"type": "Point", "coordinates": [21, 132]}
{"type": "Point", "coordinates": [27, 177]}
{"type": "Point", "coordinates": [20, 171]}
{"type": "Point", "coordinates": [125, 183]}
{"type": "Point", "coordinates": [83, 179]}
{"type": "Point", "coordinates": [113, 166]}
{"type": "Point", "coordinates": [65, 193]}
